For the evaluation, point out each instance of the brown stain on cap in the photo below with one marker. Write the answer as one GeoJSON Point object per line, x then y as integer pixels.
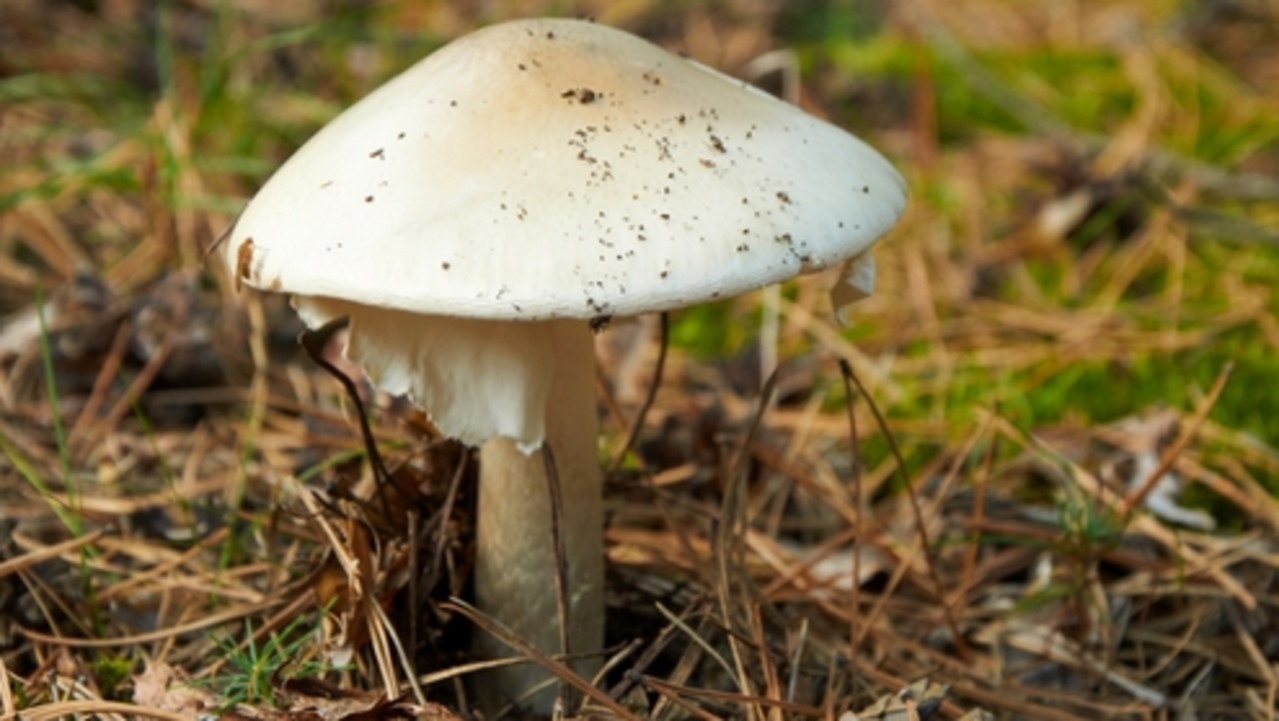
{"type": "Point", "coordinates": [243, 262]}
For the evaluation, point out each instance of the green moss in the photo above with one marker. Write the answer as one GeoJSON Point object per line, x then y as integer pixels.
{"type": "Point", "coordinates": [110, 670]}
{"type": "Point", "coordinates": [704, 330]}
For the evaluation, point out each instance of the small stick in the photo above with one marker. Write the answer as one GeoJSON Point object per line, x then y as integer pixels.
{"type": "Point", "coordinates": [637, 425]}
{"type": "Point", "coordinates": [561, 560]}
{"type": "Point", "coordinates": [492, 626]}
{"type": "Point", "coordinates": [1134, 500]}
{"type": "Point", "coordinates": [415, 558]}
{"type": "Point", "coordinates": [446, 512]}
{"type": "Point", "coordinates": [855, 593]}
{"type": "Point", "coordinates": [960, 646]}
{"type": "Point", "coordinates": [313, 342]}
{"type": "Point", "coordinates": [655, 648]}
{"type": "Point", "coordinates": [728, 548]}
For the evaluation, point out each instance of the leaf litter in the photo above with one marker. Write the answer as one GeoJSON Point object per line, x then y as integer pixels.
{"type": "Point", "coordinates": [249, 520]}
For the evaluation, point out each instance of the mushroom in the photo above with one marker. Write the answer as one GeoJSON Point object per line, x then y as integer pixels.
{"type": "Point", "coordinates": [473, 215]}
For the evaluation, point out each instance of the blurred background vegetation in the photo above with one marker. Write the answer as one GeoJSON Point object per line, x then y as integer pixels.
{"type": "Point", "coordinates": [1093, 220]}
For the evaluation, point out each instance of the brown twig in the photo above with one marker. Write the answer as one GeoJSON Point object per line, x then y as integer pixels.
{"type": "Point", "coordinates": [855, 591]}
{"type": "Point", "coordinates": [95, 707]}
{"type": "Point", "coordinates": [207, 621]}
{"type": "Point", "coordinates": [498, 630]}
{"type": "Point", "coordinates": [561, 562]}
{"type": "Point", "coordinates": [1134, 499]}
{"type": "Point", "coordinates": [961, 647]}
{"type": "Point", "coordinates": [667, 688]}
{"type": "Point", "coordinates": [313, 342]}
{"type": "Point", "coordinates": [637, 425]}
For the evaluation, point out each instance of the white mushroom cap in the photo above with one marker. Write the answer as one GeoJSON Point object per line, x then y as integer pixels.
{"type": "Point", "coordinates": [558, 168]}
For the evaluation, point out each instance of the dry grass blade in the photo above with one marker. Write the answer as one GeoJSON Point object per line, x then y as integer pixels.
{"type": "Point", "coordinates": [732, 699]}
{"type": "Point", "coordinates": [441, 533]}
{"type": "Point", "coordinates": [77, 435]}
{"type": "Point", "coordinates": [385, 630]}
{"type": "Point", "coordinates": [561, 564]}
{"type": "Point", "coordinates": [767, 665]}
{"type": "Point", "coordinates": [920, 523]}
{"type": "Point", "coordinates": [360, 576]}
{"type": "Point", "coordinates": [650, 654]}
{"type": "Point", "coordinates": [7, 706]}
{"type": "Point", "coordinates": [732, 580]}
{"type": "Point", "coordinates": [855, 464]}
{"type": "Point", "coordinates": [61, 709]}
{"type": "Point", "coordinates": [1134, 499]}
{"type": "Point", "coordinates": [1051, 645]}
{"type": "Point", "coordinates": [695, 637]}
{"type": "Point", "coordinates": [659, 367]}
{"type": "Point", "coordinates": [556, 667]}
{"type": "Point", "coordinates": [209, 621]}
{"type": "Point", "coordinates": [40, 555]}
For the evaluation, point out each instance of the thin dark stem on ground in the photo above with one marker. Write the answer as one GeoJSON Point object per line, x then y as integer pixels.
{"type": "Point", "coordinates": [729, 550]}
{"type": "Point", "coordinates": [313, 342]}
{"type": "Point", "coordinates": [445, 513]}
{"type": "Point", "coordinates": [734, 503]}
{"type": "Point", "coordinates": [561, 562]}
{"type": "Point", "coordinates": [728, 697]}
{"type": "Point", "coordinates": [560, 669]}
{"type": "Point", "coordinates": [659, 367]}
{"type": "Point", "coordinates": [414, 522]}
{"type": "Point", "coordinates": [646, 659]}
{"type": "Point", "coordinates": [855, 457]}
{"type": "Point", "coordinates": [982, 485]}
{"type": "Point", "coordinates": [961, 647]}
{"type": "Point", "coordinates": [1134, 500]}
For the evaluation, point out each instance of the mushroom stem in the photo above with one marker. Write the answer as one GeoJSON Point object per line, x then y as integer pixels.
{"type": "Point", "coordinates": [515, 548]}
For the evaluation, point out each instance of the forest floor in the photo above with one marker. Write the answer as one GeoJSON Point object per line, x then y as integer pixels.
{"type": "Point", "coordinates": [1035, 478]}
